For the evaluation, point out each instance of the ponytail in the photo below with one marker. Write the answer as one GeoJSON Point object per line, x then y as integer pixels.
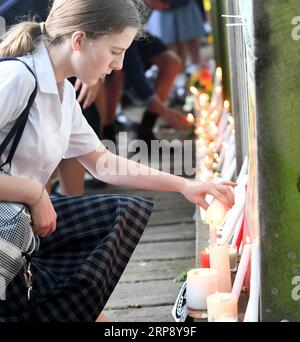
{"type": "Point", "coordinates": [21, 39]}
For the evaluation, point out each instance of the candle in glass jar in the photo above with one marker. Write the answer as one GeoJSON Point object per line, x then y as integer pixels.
{"type": "Point", "coordinates": [222, 305]}
{"type": "Point", "coordinates": [201, 282]}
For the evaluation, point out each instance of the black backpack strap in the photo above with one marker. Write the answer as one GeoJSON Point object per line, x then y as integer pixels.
{"type": "Point", "coordinates": [16, 132]}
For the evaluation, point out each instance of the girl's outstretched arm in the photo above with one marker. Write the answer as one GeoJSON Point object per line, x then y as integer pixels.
{"type": "Point", "coordinates": [120, 171]}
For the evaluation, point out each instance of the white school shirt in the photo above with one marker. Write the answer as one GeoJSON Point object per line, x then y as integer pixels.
{"type": "Point", "coordinates": [54, 130]}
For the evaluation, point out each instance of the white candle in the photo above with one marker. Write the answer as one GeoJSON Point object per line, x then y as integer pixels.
{"type": "Point", "coordinates": [222, 304]}
{"type": "Point", "coordinates": [252, 310]}
{"type": "Point", "coordinates": [244, 170]}
{"type": "Point", "coordinates": [201, 282]}
{"type": "Point", "coordinates": [237, 229]}
{"type": "Point", "coordinates": [229, 173]}
{"type": "Point", "coordinates": [234, 213]}
{"type": "Point", "coordinates": [213, 233]}
{"type": "Point", "coordinates": [215, 213]}
{"type": "Point", "coordinates": [219, 260]}
{"type": "Point", "coordinates": [242, 269]}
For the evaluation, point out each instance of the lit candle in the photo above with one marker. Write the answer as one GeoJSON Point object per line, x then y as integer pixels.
{"type": "Point", "coordinates": [226, 106]}
{"type": "Point", "coordinates": [233, 258]}
{"type": "Point", "coordinates": [222, 304]}
{"type": "Point", "coordinates": [194, 91]}
{"type": "Point", "coordinates": [204, 99]}
{"type": "Point", "coordinates": [219, 260]}
{"type": "Point", "coordinates": [219, 73]}
{"type": "Point", "coordinates": [201, 282]}
{"type": "Point", "coordinates": [204, 258]}
{"type": "Point", "coordinates": [190, 118]}
{"type": "Point", "coordinates": [242, 269]}
{"type": "Point", "coordinates": [215, 213]}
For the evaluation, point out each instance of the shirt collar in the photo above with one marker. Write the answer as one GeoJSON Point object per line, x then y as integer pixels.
{"type": "Point", "coordinates": [44, 70]}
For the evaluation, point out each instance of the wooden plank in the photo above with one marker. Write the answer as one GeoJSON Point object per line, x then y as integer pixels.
{"type": "Point", "coordinates": [172, 217]}
{"type": "Point", "coordinates": [164, 251]}
{"type": "Point", "coordinates": [278, 127]}
{"type": "Point", "coordinates": [156, 270]}
{"type": "Point", "coordinates": [149, 314]}
{"type": "Point", "coordinates": [174, 232]}
{"type": "Point", "coordinates": [144, 294]}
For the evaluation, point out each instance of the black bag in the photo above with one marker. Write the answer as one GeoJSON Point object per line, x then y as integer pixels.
{"type": "Point", "coordinates": [17, 240]}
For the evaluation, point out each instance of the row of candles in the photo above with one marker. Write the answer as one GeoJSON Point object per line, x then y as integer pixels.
{"type": "Point", "coordinates": [209, 288]}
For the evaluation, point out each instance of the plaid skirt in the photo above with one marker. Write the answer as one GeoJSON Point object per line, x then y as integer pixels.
{"type": "Point", "coordinates": [77, 268]}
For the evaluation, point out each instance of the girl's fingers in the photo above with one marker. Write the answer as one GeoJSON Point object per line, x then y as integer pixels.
{"type": "Point", "coordinates": [220, 196]}
{"type": "Point", "coordinates": [77, 84]}
{"type": "Point", "coordinates": [228, 193]}
{"type": "Point", "coordinates": [203, 203]}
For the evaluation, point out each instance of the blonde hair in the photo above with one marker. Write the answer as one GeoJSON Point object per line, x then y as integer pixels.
{"type": "Point", "coordinates": [96, 18]}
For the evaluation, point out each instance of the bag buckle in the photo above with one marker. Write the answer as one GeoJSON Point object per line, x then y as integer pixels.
{"type": "Point", "coordinates": [28, 279]}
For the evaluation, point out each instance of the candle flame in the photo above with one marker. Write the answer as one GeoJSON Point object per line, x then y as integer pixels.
{"type": "Point", "coordinates": [199, 130]}
{"type": "Point", "coordinates": [219, 72]}
{"type": "Point", "coordinates": [226, 104]}
{"type": "Point", "coordinates": [204, 113]}
{"type": "Point", "coordinates": [194, 91]}
{"type": "Point", "coordinates": [190, 118]}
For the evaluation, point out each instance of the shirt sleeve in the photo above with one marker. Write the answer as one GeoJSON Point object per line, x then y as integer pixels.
{"type": "Point", "coordinates": [83, 139]}
{"type": "Point", "coordinates": [16, 86]}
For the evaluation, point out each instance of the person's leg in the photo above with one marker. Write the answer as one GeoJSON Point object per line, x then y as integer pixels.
{"type": "Point", "coordinates": [71, 176]}
{"type": "Point", "coordinates": [170, 66]}
{"type": "Point", "coordinates": [180, 50]}
{"type": "Point", "coordinates": [193, 48]}
{"type": "Point", "coordinates": [154, 52]}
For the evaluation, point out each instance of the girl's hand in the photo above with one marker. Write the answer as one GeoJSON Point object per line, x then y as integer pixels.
{"type": "Point", "coordinates": [176, 119]}
{"type": "Point", "coordinates": [196, 191]}
{"type": "Point", "coordinates": [43, 215]}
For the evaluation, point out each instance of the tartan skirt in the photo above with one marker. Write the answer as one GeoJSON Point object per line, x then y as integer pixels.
{"type": "Point", "coordinates": [77, 268]}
